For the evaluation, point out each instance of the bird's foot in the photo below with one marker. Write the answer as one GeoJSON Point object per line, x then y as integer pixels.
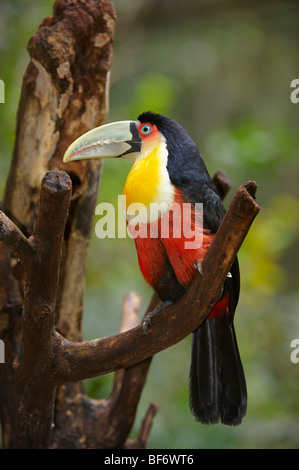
{"type": "Point", "coordinates": [148, 316]}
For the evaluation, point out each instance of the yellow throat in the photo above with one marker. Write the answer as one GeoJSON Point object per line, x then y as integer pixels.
{"type": "Point", "coordinates": [148, 181]}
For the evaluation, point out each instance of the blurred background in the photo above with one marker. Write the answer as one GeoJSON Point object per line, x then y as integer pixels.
{"type": "Point", "coordinates": [222, 69]}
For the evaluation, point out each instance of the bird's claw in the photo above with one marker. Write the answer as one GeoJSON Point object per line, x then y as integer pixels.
{"type": "Point", "coordinates": [197, 266]}
{"type": "Point", "coordinates": [147, 322]}
{"type": "Point", "coordinates": [148, 316]}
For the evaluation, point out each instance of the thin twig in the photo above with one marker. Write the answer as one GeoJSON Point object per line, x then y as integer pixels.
{"type": "Point", "coordinates": [147, 424]}
{"type": "Point", "coordinates": [141, 441]}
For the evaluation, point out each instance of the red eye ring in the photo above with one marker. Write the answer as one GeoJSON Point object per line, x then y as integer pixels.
{"type": "Point", "coordinates": [145, 129]}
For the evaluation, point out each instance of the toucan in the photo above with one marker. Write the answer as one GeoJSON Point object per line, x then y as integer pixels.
{"type": "Point", "coordinates": [169, 171]}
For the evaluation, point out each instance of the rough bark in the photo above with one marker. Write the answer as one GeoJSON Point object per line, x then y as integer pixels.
{"type": "Point", "coordinates": [64, 94]}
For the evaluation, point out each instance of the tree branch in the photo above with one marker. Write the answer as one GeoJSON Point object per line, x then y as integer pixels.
{"type": "Point", "coordinates": [222, 183]}
{"type": "Point", "coordinates": [141, 441]}
{"type": "Point", "coordinates": [15, 239]}
{"type": "Point", "coordinates": [35, 363]}
{"type": "Point", "coordinates": [100, 356]}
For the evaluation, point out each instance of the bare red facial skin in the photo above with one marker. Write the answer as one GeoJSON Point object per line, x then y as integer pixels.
{"type": "Point", "coordinates": [146, 129]}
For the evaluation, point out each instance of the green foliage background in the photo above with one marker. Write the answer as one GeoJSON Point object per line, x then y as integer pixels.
{"type": "Point", "coordinates": [223, 70]}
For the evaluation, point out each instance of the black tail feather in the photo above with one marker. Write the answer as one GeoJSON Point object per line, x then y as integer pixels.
{"type": "Point", "coordinates": [217, 381]}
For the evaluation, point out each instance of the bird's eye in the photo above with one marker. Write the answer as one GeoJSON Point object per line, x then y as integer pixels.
{"type": "Point", "coordinates": [146, 129]}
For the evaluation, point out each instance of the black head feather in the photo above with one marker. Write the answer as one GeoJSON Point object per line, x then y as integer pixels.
{"type": "Point", "coordinates": [187, 170]}
{"type": "Point", "coordinates": [184, 160]}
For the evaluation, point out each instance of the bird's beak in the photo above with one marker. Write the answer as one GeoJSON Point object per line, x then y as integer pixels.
{"type": "Point", "coordinates": [111, 140]}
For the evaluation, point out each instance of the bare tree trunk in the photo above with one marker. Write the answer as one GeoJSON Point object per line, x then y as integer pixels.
{"type": "Point", "coordinates": [64, 94]}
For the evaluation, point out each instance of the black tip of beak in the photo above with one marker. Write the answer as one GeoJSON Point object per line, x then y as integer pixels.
{"type": "Point", "coordinates": [135, 142]}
